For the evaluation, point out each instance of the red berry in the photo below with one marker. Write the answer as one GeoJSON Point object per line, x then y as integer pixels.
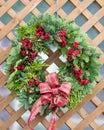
{"type": "Point", "coordinates": [84, 81]}
{"type": "Point", "coordinates": [25, 41]}
{"type": "Point", "coordinates": [63, 43]}
{"type": "Point", "coordinates": [39, 29]}
{"type": "Point", "coordinates": [18, 67]}
{"type": "Point", "coordinates": [76, 52]}
{"type": "Point", "coordinates": [75, 44]}
{"type": "Point", "coordinates": [33, 55]}
{"type": "Point", "coordinates": [46, 36]}
{"type": "Point", "coordinates": [63, 32]}
{"type": "Point", "coordinates": [38, 35]}
{"type": "Point", "coordinates": [23, 53]}
{"type": "Point", "coordinates": [22, 67]}
{"type": "Point", "coordinates": [70, 51]}
{"type": "Point", "coordinates": [61, 35]}
{"type": "Point", "coordinates": [78, 73]}
{"type": "Point", "coordinates": [69, 57]}
{"type": "Point", "coordinates": [29, 46]}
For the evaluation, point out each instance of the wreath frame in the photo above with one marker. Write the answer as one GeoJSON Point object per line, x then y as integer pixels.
{"type": "Point", "coordinates": [25, 68]}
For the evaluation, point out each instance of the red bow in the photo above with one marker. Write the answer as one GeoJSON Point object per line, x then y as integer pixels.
{"type": "Point", "coordinates": [52, 93]}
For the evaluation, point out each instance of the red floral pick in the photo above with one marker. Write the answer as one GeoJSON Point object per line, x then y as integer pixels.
{"type": "Point", "coordinates": [40, 32]}
{"type": "Point", "coordinates": [23, 53]}
{"type": "Point", "coordinates": [69, 57]}
{"type": "Point", "coordinates": [18, 67]}
{"type": "Point", "coordinates": [46, 36]}
{"type": "Point", "coordinates": [25, 41]}
{"type": "Point", "coordinates": [78, 73]}
{"type": "Point", "coordinates": [84, 81]}
{"type": "Point", "coordinates": [33, 55]}
{"type": "Point", "coordinates": [22, 67]}
{"type": "Point", "coordinates": [29, 46]}
{"type": "Point", "coordinates": [76, 52]}
{"type": "Point", "coordinates": [38, 35]}
{"type": "Point", "coordinates": [39, 29]}
{"type": "Point", "coordinates": [62, 34]}
{"type": "Point", "coordinates": [75, 44]}
{"type": "Point", "coordinates": [70, 51]}
{"type": "Point", "coordinates": [63, 43]}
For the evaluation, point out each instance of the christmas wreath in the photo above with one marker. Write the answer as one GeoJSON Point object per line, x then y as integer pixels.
{"type": "Point", "coordinates": [44, 92]}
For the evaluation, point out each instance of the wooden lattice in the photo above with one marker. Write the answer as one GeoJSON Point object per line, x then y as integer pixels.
{"type": "Point", "coordinates": [92, 12]}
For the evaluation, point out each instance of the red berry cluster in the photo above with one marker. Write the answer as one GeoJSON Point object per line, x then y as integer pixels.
{"type": "Point", "coordinates": [26, 44]}
{"type": "Point", "coordinates": [62, 34]}
{"type": "Point", "coordinates": [78, 74]}
{"type": "Point", "coordinates": [32, 83]}
{"type": "Point", "coordinates": [27, 49]}
{"type": "Point", "coordinates": [21, 67]}
{"type": "Point", "coordinates": [84, 81]}
{"type": "Point", "coordinates": [73, 51]}
{"type": "Point", "coordinates": [40, 32]}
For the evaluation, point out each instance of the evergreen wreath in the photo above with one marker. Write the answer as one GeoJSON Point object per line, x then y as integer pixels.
{"type": "Point", "coordinates": [77, 76]}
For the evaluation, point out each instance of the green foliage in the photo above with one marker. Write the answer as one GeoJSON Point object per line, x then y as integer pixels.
{"type": "Point", "coordinates": [74, 99]}
{"type": "Point", "coordinates": [14, 51]}
{"type": "Point", "coordinates": [7, 68]}
{"type": "Point", "coordinates": [27, 100]}
{"type": "Point", "coordinates": [44, 107]}
{"type": "Point", "coordinates": [23, 32]}
{"type": "Point", "coordinates": [87, 60]}
{"type": "Point", "coordinates": [13, 57]}
{"type": "Point", "coordinates": [18, 80]}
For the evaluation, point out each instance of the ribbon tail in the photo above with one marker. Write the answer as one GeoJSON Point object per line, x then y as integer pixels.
{"type": "Point", "coordinates": [35, 110]}
{"type": "Point", "coordinates": [53, 121]}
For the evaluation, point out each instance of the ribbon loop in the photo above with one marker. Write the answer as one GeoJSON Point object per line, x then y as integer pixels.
{"type": "Point", "coordinates": [65, 88]}
{"type": "Point", "coordinates": [44, 87]}
{"type": "Point", "coordinates": [60, 101]}
{"type": "Point", "coordinates": [52, 80]}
